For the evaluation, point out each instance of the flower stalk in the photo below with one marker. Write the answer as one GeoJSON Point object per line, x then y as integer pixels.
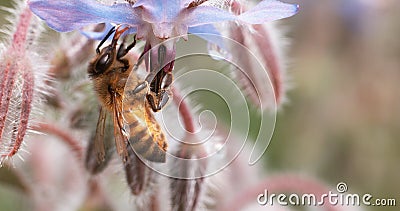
{"type": "Point", "coordinates": [186, 189]}
{"type": "Point", "coordinates": [16, 89]}
{"type": "Point", "coordinates": [70, 141]}
{"type": "Point", "coordinates": [184, 111]}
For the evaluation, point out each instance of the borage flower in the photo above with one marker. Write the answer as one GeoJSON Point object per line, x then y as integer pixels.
{"type": "Point", "coordinates": [156, 20]}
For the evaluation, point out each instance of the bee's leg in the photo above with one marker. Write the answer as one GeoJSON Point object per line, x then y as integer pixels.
{"type": "Point", "coordinates": [163, 99]}
{"type": "Point", "coordinates": [163, 95]}
{"type": "Point", "coordinates": [145, 83]}
{"type": "Point", "coordinates": [105, 39]}
{"type": "Point", "coordinates": [140, 87]}
{"type": "Point", "coordinates": [158, 101]}
{"type": "Point", "coordinates": [122, 50]}
{"type": "Point", "coordinates": [152, 102]}
{"type": "Point", "coordinates": [131, 45]}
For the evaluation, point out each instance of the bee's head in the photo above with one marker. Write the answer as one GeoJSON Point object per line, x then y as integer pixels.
{"type": "Point", "coordinates": [103, 61]}
{"type": "Point", "coordinates": [107, 56]}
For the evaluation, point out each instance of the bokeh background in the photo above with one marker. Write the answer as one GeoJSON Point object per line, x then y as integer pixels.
{"type": "Point", "coordinates": [341, 122]}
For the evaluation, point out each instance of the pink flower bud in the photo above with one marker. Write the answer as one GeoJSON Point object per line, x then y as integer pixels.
{"type": "Point", "coordinates": [259, 38]}
{"type": "Point", "coordinates": [18, 90]}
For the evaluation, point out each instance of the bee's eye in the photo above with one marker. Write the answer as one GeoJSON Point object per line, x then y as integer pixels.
{"type": "Point", "coordinates": [103, 63]}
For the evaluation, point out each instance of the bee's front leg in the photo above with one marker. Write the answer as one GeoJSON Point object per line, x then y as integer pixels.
{"type": "Point", "coordinates": [152, 100]}
{"type": "Point", "coordinates": [151, 97]}
{"type": "Point", "coordinates": [163, 98]}
{"type": "Point", "coordinates": [145, 83]}
{"type": "Point", "coordinates": [158, 101]}
{"type": "Point", "coordinates": [140, 87]}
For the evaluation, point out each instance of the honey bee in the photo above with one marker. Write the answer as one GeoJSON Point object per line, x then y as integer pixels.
{"type": "Point", "coordinates": [122, 95]}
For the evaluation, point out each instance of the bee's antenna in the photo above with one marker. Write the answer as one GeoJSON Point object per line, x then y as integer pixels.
{"type": "Point", "coordinates": [104, 39]}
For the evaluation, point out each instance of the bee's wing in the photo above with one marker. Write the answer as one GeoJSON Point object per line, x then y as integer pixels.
{"type": "Point", "coordinates": [99, 136]}
{"type": "Point", "coordinates": [119, 131]}
{"type": "Point", "coordinates": [154, 128]}
{"type": "Point", "coordinates": [100, 148]}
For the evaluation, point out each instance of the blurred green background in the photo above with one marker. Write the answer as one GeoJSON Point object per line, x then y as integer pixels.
{"type": "Point", "coordinates": [342, 119]}
{"type": "Point", "coordinates": [342, 122]}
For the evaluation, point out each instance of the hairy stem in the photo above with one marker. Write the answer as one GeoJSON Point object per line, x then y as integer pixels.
{"type": "Point", "coordinates": [19, 37]}
{"type": "Point", "coordinates": [65, 137]}
{"type": "Point", "coordinates": [183, 111]}
{"type": "Point", "coordinates": [271, 61]}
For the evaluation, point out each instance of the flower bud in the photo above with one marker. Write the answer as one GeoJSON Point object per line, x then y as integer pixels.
{"type": "Point", "coordinates": [19, 89]}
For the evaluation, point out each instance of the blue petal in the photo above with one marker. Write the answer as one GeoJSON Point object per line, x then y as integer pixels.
{"type": "Point", "coordinates": [205, 15]}
{"type": "Point", "coordinates": [100, 35]}
{"type": "Point", "coordinates": [268, 10]}
{"type": "Point", "coordinates": [74, 14]}
{"type": "Point", "coordinates": [209, 33]}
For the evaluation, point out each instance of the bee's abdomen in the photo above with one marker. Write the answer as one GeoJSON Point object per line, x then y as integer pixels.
{"type": "Point", "coordinates": [144, 131]}
{"type": "Point", "coordinates": [143, 143]}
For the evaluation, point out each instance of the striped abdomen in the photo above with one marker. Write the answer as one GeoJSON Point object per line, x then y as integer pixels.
{"type": "Point", "coordinates": [145, 135]}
